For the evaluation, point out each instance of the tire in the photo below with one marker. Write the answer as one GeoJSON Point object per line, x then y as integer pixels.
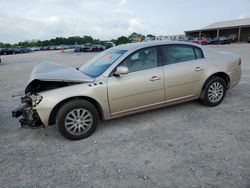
{"type": "Point", "coordinates": [77, 119]}
{"type": "Point", "coordinates": [213, 92]}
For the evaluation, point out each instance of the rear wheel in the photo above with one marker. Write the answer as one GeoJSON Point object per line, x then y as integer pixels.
{"type": "Point", "coordinates": [77, 119]}
{"type": "Point", "coordinates": [213, 92]}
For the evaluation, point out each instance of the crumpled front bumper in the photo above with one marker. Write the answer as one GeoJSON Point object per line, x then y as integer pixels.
{"type": "Point", "coordinates": [28, 115]}
{"type": "Point", "coordinates": [19, 111]}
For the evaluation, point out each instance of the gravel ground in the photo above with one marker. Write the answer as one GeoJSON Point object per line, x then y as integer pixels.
{"type": "Point", "coordinates": [187, 145]}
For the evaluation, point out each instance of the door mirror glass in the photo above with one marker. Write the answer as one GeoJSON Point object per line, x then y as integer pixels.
{"type": "Point", "coordinates": [121, 70]}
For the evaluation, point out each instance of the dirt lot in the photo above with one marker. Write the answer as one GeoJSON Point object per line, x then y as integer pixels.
{"type": "Point", "coordinates": [188, 145]}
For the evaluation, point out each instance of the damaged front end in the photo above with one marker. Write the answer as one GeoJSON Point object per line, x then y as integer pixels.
{"type": "Point", "coordinates": [28, 111]}
{"type": "Point", "coordinates": [45, 76]}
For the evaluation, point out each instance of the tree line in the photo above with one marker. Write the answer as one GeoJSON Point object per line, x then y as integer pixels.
{"type": "Point", "coordinates": [75, 40]}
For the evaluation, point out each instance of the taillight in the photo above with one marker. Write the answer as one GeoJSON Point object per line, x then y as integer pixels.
{"type": "Point", "coordinates": [239, 63]}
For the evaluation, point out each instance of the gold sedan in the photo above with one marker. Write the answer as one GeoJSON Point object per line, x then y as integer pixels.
{"type": "Point", "coordinates": [124, 80]}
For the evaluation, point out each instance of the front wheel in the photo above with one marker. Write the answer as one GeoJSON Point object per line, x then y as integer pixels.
{"type": "Point", "coordinates": [213, 92]}
{"type": "Point", "coordinates": [77, 119]}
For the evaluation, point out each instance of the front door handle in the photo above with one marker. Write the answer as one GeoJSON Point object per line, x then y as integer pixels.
{"type": "Point", "coordinates": [154, 78]}
{"type": "Point", "coordinates": [197, 69]}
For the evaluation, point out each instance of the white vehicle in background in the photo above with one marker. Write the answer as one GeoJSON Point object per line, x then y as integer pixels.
{"type": "Point", "coordinates": [35, 48]}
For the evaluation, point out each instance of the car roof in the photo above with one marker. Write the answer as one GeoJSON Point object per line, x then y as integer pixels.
{"type": "Point", "coordinates": [138, 45]}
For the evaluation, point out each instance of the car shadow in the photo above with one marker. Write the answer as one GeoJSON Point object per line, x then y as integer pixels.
{"type": "Point", "coordinates": [138, 119]}
{"type": "Point", "coordinates": [143, 117]}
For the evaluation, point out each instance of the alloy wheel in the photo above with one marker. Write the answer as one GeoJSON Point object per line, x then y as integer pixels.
{"type": "Point", "coordinates": [78, 121]}
{"type": "Point", "coordinates": [215, 92]}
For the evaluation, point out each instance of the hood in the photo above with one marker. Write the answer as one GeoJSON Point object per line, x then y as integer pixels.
{"type": "Point", "coordinates": [48, 71]}
{"type": "Point", "coordinates": [52, 72]}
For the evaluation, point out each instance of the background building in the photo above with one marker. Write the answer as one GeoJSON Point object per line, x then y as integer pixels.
{"type": "Point", "coordinates": [238, 30]}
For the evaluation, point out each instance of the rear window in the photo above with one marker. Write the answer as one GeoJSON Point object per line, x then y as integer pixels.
{"type": "Point", "coordinates": [177, 53]}
{"type": "Point", "coordinates": [172, 54]}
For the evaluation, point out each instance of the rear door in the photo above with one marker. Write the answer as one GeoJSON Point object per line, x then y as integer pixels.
{"type": "Point", "coordinates": [183, 70]}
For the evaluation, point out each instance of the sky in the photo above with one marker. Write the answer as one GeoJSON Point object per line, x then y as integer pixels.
{"type": "Point", "coordinates": [22, 20]}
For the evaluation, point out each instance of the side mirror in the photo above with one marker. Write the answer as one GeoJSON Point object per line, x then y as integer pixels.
{"type": "Point", "coordinates": [121, 70]}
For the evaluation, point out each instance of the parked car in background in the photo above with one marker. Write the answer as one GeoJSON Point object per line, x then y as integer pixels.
{"type": "Point", "coordinates": [124, 80]}
{"type": "Point", "coordinates": [102, 48]}
{"type": "Point", "coordinates": [21, 49]}
{"type": "Point", "coordinates": [201, 40]}
{"type": "Point", "coordinates": [188, 39]}
{"type": "Point", "coordinates": [14, 50]}
{"type": "Point", "coordinates": [45, 48]}
{"type": "Point", "coordinates": [65, 47]}
{"type": "Point", "coordinates": [52, 47]}
{"type": "Point", "coordinates": [233, 37]}
{"type": "Point", "coordinates": [58, 47]}
{"type": "Point", "coordinates": [35, 48]}
{"type": "Point", "coordinates": [209, 40]}
{"type": "Point", "coordinates": [87, 48]}
{"type": "Point", "coordinates": [221, 40]}
{"type": "Point", "coordinates": [109, 45]}
{"type": "Point", "coordinates": [97, 48]}
{"type": "Point", "coordinates": [71, 46]}
{"type": "Point", "coordinates": [8, 51]}
{"type": "Point", "coordinates": [78, 48]}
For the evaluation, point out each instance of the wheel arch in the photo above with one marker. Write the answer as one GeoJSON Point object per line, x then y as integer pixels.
{"type": "Point", "coordinates": [52, 116]}
{"type": "Point", "coordinates": [222, 75]}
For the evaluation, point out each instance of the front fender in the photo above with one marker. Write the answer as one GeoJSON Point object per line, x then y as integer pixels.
{"type": "Point", "coordinates": [96, 91]}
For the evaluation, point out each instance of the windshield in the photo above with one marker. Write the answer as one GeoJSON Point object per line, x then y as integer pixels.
{"type": "Point", "coordinates": [101, 62]}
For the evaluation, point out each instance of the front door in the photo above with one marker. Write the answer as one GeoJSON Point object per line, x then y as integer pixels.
{"type": "Point", "coordinates": [142, 87]}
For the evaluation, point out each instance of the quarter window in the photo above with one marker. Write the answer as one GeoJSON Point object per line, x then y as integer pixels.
{"type": "Point", "coordinates": [141, 60]}
{"type": "Point", "coordinates": [179, 53]}
{"type": "Point", "coordinates": [198, 53]}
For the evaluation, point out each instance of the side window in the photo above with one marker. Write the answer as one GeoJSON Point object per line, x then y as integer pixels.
{"type": "Point", "coordinates": [177, 53]}
{"type": "Point", "coordinates": [198, 53]}
{"type": "Point", "coordinates": [141, 60]}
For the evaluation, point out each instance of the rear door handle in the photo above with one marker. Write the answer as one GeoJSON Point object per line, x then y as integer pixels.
{"type": "Point", "coordinates": [154, 78]}
{"type": "Point", "coordinates": [197, 69]}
